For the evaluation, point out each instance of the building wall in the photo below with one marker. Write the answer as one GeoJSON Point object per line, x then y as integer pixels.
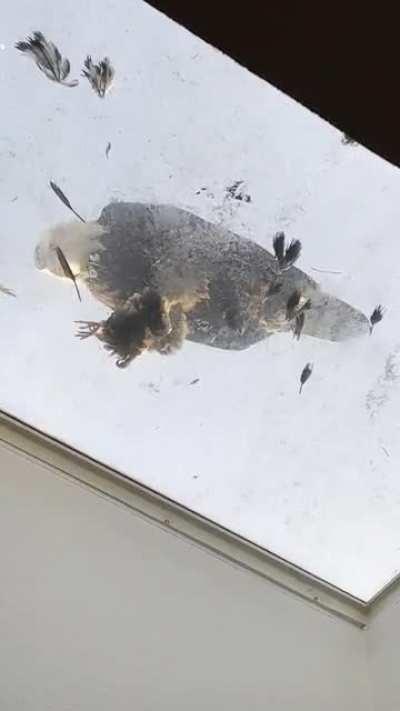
{"type": "Point", "coordinates": [100, 609]}
{"type": "Point", "coordinates": [383, 652]}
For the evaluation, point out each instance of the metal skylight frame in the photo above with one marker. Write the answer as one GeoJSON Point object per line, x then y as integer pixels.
{"type": "Point", "coordinates": [180, 521]}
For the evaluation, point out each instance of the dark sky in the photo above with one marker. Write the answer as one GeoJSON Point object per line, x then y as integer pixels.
{"type": "Point", "coordinates": [342, 64]}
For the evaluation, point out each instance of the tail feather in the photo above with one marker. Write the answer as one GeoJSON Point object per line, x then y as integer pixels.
{"type": "Point", "coordinates": [331, 319]}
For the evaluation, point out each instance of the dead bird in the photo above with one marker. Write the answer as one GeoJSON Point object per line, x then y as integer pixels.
{"type": "Point", "coordinates": [99, 75]}
{"type": "Point", "coordinates": [305, 374]}
{"type": "Point", "coordinates": [376, 316]}
{"type": "Point", "coordinates": [48, 58]}
{"type": "Point", "coordinates": [133, 246]}
{"type": "Point", "coordinates": [286, 257]}
{"type": "Point", "coordinates": [140, 324]}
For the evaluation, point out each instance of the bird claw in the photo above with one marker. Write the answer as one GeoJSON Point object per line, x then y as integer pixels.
{"type": "Point", "coordinates": [87, 329]}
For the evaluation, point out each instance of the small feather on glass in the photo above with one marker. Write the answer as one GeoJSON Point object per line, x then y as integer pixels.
{"type": "Point", "coordinates": [64, 199]}
{"type": "Point", "coordinates": [305, 374]}
{"type": "Point", "coordinates": [48, 58]}
{"type": "Point", "coordinates": [286, 257]}
{"type": "Point", "coordinates": [8, 292]}
{"type": "Point", "coordinates": [376, 317]}
{"type": "Point", "coordinates": [100, 76]}
{"type": "Point", "coordinates": [67, 269]}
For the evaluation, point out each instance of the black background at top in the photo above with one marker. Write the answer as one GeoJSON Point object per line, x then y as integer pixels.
{"type": "Point", "coordinates": [342, 63]}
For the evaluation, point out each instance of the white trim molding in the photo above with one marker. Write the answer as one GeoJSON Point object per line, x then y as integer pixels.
{"type": "Point", "coordinates": [179, 521]}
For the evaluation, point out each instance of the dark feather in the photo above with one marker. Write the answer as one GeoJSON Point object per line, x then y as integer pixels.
{"type": "Point", "coordinates": [376, 316]}
{"type": "Point", "coordinates": [348, 140]}
{"type": "Point", "coordinates": [64, 199]}
{"type": "Point", "coordinates": [299, 325]}
{"type": "Point", "coordinates": [305, 374]}
{"type": "Point", "coordinates": [5, 290]}
{"type": "Point", "coordinates": [22, 46]}
{"type": "Point", "coordinates": [37, 47]}
{"type": "Point", "coordinates": [51, 56]}
{"type": "Point", "coordinates": [67, 269]}
{"type": "Point", "coordinates": [279, 246]}
{"type": "Point", "coordinates": [292, 304]}
{"type": "Point", "coordinates": [99, 75]}
{"type": "Point", "coordinates": [47, 57]}
{"type": "Point", "coordinates": [65, 68]}
{"type": "Point", "coordinates": [291, 255]}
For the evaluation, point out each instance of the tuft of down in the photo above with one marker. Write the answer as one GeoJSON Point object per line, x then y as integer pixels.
{"type": "Point", "coordinates": [77, 240]}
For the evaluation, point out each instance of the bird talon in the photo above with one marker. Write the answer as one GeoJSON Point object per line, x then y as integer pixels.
{"type": "Point", "coordinates": [87, 329]}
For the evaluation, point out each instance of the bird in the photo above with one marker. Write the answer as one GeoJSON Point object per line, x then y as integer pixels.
{"type": "Point", "coordinates": [219, 287]}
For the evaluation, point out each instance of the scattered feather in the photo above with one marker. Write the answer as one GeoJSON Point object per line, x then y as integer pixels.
{"type": "Point", "coordinates": [305, 374]}
{"type": "Point", "coordinates": [108, 149]}
{"type": "Point", "coordinates": [279, 246]}
{"type": "Point", "coordinates": [348, 140]}
{"type": "Point", "coordinates": [64, 199]}
{"type": "Point", "coordinates": [286, 258]}
{"type": "Point", "coordinates": [8, 292]}
{"type": "Point", "coordinates": [326, 271]}
{"type": "Point", "coordinates": [67, 269]}
{"type": "Point", "coordinates": [292, 254]}
{"type": "Point", "coordinates": [100, 76]}
{"type": "Point", "coordinates": [235, 192]}
{"type": "Point", "coordinates": [293, 304]}
{"type": "Point", "coordinates": [48, 58]}
{"type": "Point", "coordinates": [299, 325]}
{"type": "Point", "coordinates": [376, 316]}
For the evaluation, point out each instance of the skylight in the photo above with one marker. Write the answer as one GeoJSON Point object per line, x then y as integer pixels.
{"type": "Point", "coordinates": [219, 425]}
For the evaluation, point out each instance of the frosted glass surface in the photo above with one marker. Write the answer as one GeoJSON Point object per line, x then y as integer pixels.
{"type": "Point", "coordinates": [313, 478]}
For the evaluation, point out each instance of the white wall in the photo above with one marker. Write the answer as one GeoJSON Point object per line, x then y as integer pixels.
{"type": "Point", "coordinates": [383, 651]}
{"type": "Point", "coordinates": [102, 610]}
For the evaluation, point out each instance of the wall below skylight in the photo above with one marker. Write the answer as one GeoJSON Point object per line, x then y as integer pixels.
{"type": "Point", "coordinates": [102, 610]}
{"type": "Point", "coordinates": [383, 650]}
